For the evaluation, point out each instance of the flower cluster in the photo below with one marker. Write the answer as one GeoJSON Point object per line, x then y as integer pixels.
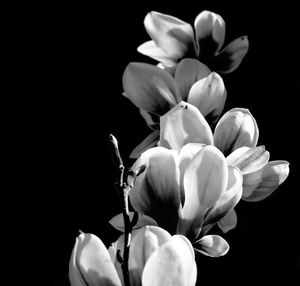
{"type": "Point", "coordinates": [193, 168]}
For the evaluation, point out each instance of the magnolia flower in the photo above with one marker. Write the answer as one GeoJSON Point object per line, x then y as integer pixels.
{"type": "Point", "coordinates": [174, 39]}
{"type": "Point", "coordinates": [155, 91]}
{"type": "Point", "coordinates": [156, 258]}
{"type": "Point", "coordinates": [187, 192]}
{"type": "Point", "coordinates": [236, 135]}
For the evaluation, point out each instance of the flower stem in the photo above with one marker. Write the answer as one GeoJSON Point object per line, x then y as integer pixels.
{"type": "Point", "coordinates": [123, 191]}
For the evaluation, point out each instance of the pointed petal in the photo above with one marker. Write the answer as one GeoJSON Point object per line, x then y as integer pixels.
{"type": "Point", "coordinates": [90, 263]}
{"type": "Point", "coordinates": [209, 96]}
{"type": "Point", "coordinates": [141, 89]}
{"type": "Point", "coordinates": [229, 198]}
{"type": "Point", "coordinates": [228, 222]}
{"type": "Point", "coordinates": [150, 141]}
{"type": "Point", "coordinates": [172, 35]}
{"type": "Point", "coordinates": [262, 183]}
{"type": "Point", "coordinates": [118, 221]}
{"type": "Point", "coordinates": [212, 245]}
{"type": "Point", "coordinates": [188, 71]}
{"type": "Point", "coordinates": [205, 180]}
{"type": "Point", "coordinates": [236, 128]}
{"type": "Point", "coordinates": [151, 50]}
{"type": "Point", "coordinates": [232, 55]}
{"type": "Point", "coordinates": [156, 191]}
{"type": "Point", "coordinates": [248, 160]}
{"type": "Point", "coordinates": [171, 264]}
{"type": "Point", "coordinates": [210, 32]}
{"type": "Point", "coordinates": [186, 154]}
{"type": "Point", "coordinates": [184, 124]}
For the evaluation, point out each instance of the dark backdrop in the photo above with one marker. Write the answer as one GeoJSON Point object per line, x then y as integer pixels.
{"type": "Point", "coordinates": [75, 60]}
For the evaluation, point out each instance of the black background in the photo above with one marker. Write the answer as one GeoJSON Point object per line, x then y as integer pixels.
{"type": "Point", "coordinates": [72, 60]}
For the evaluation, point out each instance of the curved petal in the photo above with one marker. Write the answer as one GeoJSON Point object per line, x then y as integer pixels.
{"type": "Point", "coordinates": [171, 264]}
{"type": "Point", "coordinates": [90, 263]}
{"type": "Point", "coordinates": [141, 87]}
{"type": "Point", "coordinates": [150, 141]}
{"type": "Point", "coordinates": [152, 120]}
{"type": "Point", "coordinates": [248, 160]}
{"type": "Point", "coordinates": [236, 128]}
{"type": "Point", "coordinates": [184, 124]}
{"type": "Point", "coordinates": [209, 96]}
{"type": "Point", "coordinates": [228, 222]}
{"type": "Point", "coordinates": [212, 245]}
{"type": "Point", "coordinates": [118, 221]}
{"type": "Point", "coordinates": [260, 184]}
{"type": "Point", "coordinates": [232, 55]}
{"type": "Point", "coordinates": [210, 32]}
{"type": "Point", "coordinates": [172, 35]}
{"type": "Point", "coordinates": [229, 198]}
{"type": "Point", "coordinates": [186, 154]}
{"type": "Point", "coordinates": [151, 50]}
{"type": "Point", "coordinates": [188, 71]}
{"type": "Point", "coordinates": [156, 190]}
{"type": "Point", "coordinates": [205, 180]}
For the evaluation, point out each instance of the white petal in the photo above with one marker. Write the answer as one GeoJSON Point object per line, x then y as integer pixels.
{"type": "Point", "coordinates": [184, 124]}
{"type": "Point", "coordinates": [170, 34]}
{"type": "Point", "coordinates": [232, 55]}
{"type": "Point", "coordinates": [209, 96]}
{"type": "Point", "coordinates": [212, 245]}
{"type": "Point", "coordinates": [205, 180]}
{"type": "Point", "coordinates": [188, 71]}
{"type": "Point", "coordinates": [90, 262]}
{"type": "Point", "coordinates": [156, 191]}
{"type": "Point", "coordinates": [260, 184]}
{"type": "Point", "coordinates": [151, 50]}
{"type": "Point", "coordinates": [140, 88]}
{"type": "Point", "coordinates": [171, 264]}
{"type": "Point", "coordinates": [150, 141]}
{"type": "Point", "coordinates": [229, 198]}
{"type": "Point", "coordinates": [236, 128]}
{"type": "Point", "coordinates": [228, 222]}
{"type": "Point", "coordinates": [210, 28]}
{"type": "Point", "coordinates": [249, 160]}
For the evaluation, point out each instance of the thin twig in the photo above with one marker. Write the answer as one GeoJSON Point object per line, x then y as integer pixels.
{"type": "Point", "coordinates": [123, 191]}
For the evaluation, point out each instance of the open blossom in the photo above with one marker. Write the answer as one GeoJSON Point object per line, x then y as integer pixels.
{"type": "Point", "coordinates": [187, 192]}
{"type": "Point", "coordinates": [174, 39]}
{"type": "Point", "coordinates": [156, 258]}
{"type": "Point", "coordinates": [155, 91]}
{"type": "Point", "coordinates": [236, 135]}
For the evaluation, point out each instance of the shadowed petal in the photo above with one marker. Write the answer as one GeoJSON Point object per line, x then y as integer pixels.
{"type": "Point", "coordinates": [260, 184]}
{"type": "Point", "coordinates": [188, 71]}
{"type": "Point", "coordinates": [149, 142]}
{"type": "Point", "coordinates": [90, 263]}
{"type": "Point", "coordinates": [205, 180]}
{"type": "Point", "coordinates": [152, 120]}
{"type": "Point", "coordinates": [232, 55]}
{"type": "Point", "coordinates": [118, 221]}
{"type": "Point", "coordinates": [184, 124]}
{"type": "Point", "coordinates": [228, 222]}
{"type": "Point", "coordinates": [210, 32]}
{"type": "Point", "coordinates": [236, 128]}
{"type": "Point", "coordinates": [229, 198]}
{"type": "Point", "coordinates": [248, 160]}
{"type": "Point", "coordinates": [209, 96]}
{"type": "Point", "coordinates": [156, 190]}
{"type": "Point", "coordinates": [140, 87]}
{"type": "Point", "coordinates": [212, 245]}
{"type": "Point", "coordinates": [173, 36]}
{"type": "Point", "coordinates": [171, 264]}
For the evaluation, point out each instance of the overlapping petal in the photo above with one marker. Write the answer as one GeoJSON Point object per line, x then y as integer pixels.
{"type": "Point", "coordinates": [212, 245]}
{"type": "Point", "coordinates": [228, 222]}
{"type": "Point", "coordinates": [236, 128]}
{"type": "Point", "coordinates": [184, 124]}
